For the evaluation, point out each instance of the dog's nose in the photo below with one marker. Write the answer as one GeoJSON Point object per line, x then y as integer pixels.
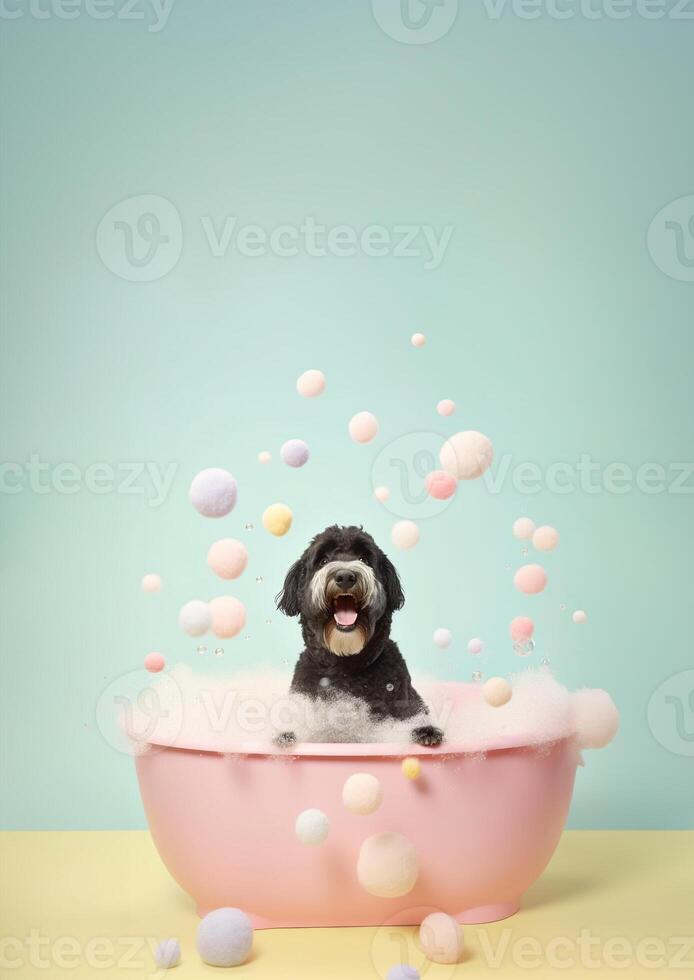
{"type": "Point", "coordinates": [345, 579]}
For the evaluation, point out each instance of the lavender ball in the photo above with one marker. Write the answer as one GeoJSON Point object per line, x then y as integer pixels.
{"type": "Point", "coordinates": [213, 492]}
{"type": "Point", "coordinates": [294, 452]}
{"type": "Point", "coordinates": [167, 954]}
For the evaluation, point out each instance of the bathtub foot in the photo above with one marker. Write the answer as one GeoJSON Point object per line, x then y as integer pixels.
{"type": "Point", "coordinates": [488, 913]}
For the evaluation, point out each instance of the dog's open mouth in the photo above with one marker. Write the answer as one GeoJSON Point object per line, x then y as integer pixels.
{"type": "Point", "coordinates": [345, 612]}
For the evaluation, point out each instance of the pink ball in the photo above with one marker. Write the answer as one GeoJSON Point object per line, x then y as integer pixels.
{"type": "Point", "coordinates": [154, 662]}
{"type": "Point", "coordinates": [227, 558]}
{"type": "Point", "coordinates": [545, 538]}
{"type": "Point", "coordinates": [521, 628]}
{"type": "Point", "coordinates": [530, 579]}
{"type": "Point", "coordinates": [213, 492]}
{"type": "Point", "coordinates": [475, 646]}
{"type": "Point", "coordinates": [523, 528]}
{"type": "Point", "coordinates": [311, 384]}
{"type": "Point", "coordinates": [418, 340]}
{"type": "Point", "coordinates": [363, 427]}
{"type": "Point", "coordinates": [445, 407]}
{"type": "Point", "coordinates": [382, 494]}
{"type": "Point", "coordinates": [151, 583]}
{"type": "Point", "coordinates": [405, 534]}
{"type": "Point", "coordinates": [467, 455]}
{"type": "Point", "coordinates": [228, 616]}
{"type": "Point", "coordinates": [440, 485]}
{"type": "Point", "coordinates": [294, 452]}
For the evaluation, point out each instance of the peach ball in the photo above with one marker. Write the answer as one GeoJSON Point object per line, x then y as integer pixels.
{"type": "Point", "coordinates": [227, 558]}
{"type": "Point", "coordinates": [440, 485]}
{"type": "Point", "coordinates": [362, 794]}
{"type": "Point", "coordinates": [154, 662]}
{"type": "Point", "coordinates": [523, 528]}
{"type": "Point", "coordinates": [445, 407]}
{"type": "Point", "coordinates": [441, 938]}
{"type": "Point", "coordinates": [151, 583]}
{"type": "Point", "coordinates": [530, 579]}
{"type": "Point", "coordinates": [228, 616]}
{"type": "Point", "coordinates": [521, 628]}
{"type": "Point", "coordinates": [311, 384]}
{"type": "Point", "coordinates": [545, 538]}
{"type": "Point", "coordinates": [388, 865]}
{"type": "Point", "coordinates": [382, 494]}
{"type": "Point", "coordinates": [363, 427]}
{"type": "Point", "coordinates": [579, 616]}
{"type": "Point", "coordinates": [405, 534]}
{"type": "Point", "coordinates": [467, 455]}
{"type": "Point", "coordinates": [264, 457]}
{"type": "Point", "coordinates": [418, 340]}
{"type": "Point", "coordinates": [497, 691]}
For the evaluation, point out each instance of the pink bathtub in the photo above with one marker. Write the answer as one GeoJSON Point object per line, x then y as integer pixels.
{"type": "Point", "coordinates": [484, 827]}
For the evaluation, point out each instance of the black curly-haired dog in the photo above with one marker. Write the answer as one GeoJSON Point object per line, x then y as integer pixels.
{"type": "Point", "coordinates": [344, 590]}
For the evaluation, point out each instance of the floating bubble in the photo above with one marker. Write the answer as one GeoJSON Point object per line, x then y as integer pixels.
{"type": "Point", "coordinates": [219, 652]}
{"type": "Point", "coordinates": [201, 651]}
{"type": "Point", "coordinates": [477, 676]}
{"type": "Point", "coordinates": [523, 648]}
{"type": "Point", "coordinates": [258, 579]}
{"type": "Point", "coordinates": [248, 527]}
{"type": "Point", "coordinates": [390, 687]}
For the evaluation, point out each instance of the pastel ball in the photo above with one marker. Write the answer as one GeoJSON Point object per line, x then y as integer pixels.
{"type": "Point", "coordinates": [442, 638]}
{"type": "Point", "coordinates": [213, 492]}
{"type": "Point", "coordinates": [594, 716]}
{"type": "Point", "coordinates": [523, 528]}
{"type": "Point", "coordinates": [362, 794]}
{"type": "Point", "coordinates": [440, 485]}
{"type": "Point", "coordinates": [418, 340]}
{"type": "Point", "coordinates": [228, 558]}
{"type": "Point", "coordinates": [441, 938]}
{"type": "Point", "coordinates": [264, 457]}
{"type": "Point", "coordinates": [402, 971]}
{"type": "Point", "coordinates": [294, 452]}
{"type": "Point", "coordinates": [388, 865]}
{"type": "Point", "coordinates": [195, 617]}
{"type": "Point", "coordinates": [497, 691]}
{"type": "Point", "coordinates": [530, 579]}
{"type": "Point", "coordinates": [154, 662]}
{"type": "Point", "coordinates": [228, 616]}
{"type": "Point", "coordinates": [311, 384]}
{"type": "Point", "coordinates": [521, 628]}
{"type": "Point", "coordinates": [167, 954]}
{"type": "Point", "coordinates": [405, 534]}
{"type": "Point", "coordinates": [579, 616]}
{"type": "Point", "coordinates": [312, 827]}
{"type": "Point", "coordinates": [363, 427]}
{"type": "Point", "coordinates": [225, 937]}
{"type": "Point", "coordinates": [475, 646]}
{"type": "Point", "coordinates": [151, 583]}
{"type": "Point", "coordinates": [382, 494]}
{"type": "Point", "coordinates": [545, 538]}
{"type": "Point", "coordinates": [466, 455]}
{"type": "Point", "coordinates": [445, 407]}
{"type": "Point", "coordinates": [277, 519]}
{"type": "Point", "coordinates": [411, 768]}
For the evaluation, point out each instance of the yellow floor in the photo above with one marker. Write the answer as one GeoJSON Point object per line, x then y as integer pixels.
{"type": "Point", "coordinates": [92, 904]}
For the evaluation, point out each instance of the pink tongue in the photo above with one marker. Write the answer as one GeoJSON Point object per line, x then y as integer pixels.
{"type": "Point", "coordinates": [345, 612]}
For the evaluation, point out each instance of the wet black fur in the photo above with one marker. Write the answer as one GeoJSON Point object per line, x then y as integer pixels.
{"type": "Point", "coordinates": [365, 674]}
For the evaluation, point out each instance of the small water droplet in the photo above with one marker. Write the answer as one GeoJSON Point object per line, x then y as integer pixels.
{"type": "Point", "coordinates": [507, 566]}
{"type": "Point", "coordinates": [268, 621]}
{"type": "Point", "coordinates": [219, 652]}
{"type": "Point", "coordinates": [202, 651]}
{"type": "Point", "coordinates": [477, 676]}
{"type": "Point", "coordinates": [390, 687]}
{"type": "Point", "coordinates": [544, 662]}
{"type": "Point", "coordinates": [524, 552]}
{"type": "Point", "coordinates": [248, 527]}
{"type": "Point", "coordinates": [562, 606]}
{"type": "Point", "coordinates": [523, 648]}
{"type": "Point", "coordinates": [324, 682]}
{"type": "Point", "coordinates": [259, 579]}
{"type": "Point", "coordinates": [247, 636]}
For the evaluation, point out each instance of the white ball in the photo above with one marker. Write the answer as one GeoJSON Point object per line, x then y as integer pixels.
{"type": "Point", "coordinates": [442, 638]}
{"type": "Point", "coordinates": [466, 455]}
{"type": "Point", "coordinates": [195, 617]}
{"type": "Point", "coordinates": [475, 646]}
{"type": "Point", "coordinates": [151, 583]}
{"type": "Point", "coordinates": [579, 616]}
{"type": "Point", "coordinates": [213, 492]}
{"type": "Point", "coordinates": [264, 457]}
{"type": "Point", "coordinates": [225, 937]}
{"type": "Point", "coordinates": [594, 716]}
{"type": "Point", "coordinates": [523, 528]}
{"type": "Point", "coordinates": [382, 494]}
{"type": "Point", "coordinates": [388, 865]}
{"type": "Point", "coordinates": [167, 954]}
{"type": "Point", "coordinates": [418, 340]}
{"type": "Point", "coordinates": [405, 534]}
{"type": "Point", "coordinates": [362, 793]}
{"type": "Point", "coordinates": [497, 691]}
{"type": "Point", "coordinates": [363, 427]}
{"type": "Point", "coordinates": [441, 938]}
{"type": "Point", "coordinates": [311, 384]}
{"type": "Point", "coordinates": [312, 827]}
{"type": "Point", "coordinates": [445, 407]}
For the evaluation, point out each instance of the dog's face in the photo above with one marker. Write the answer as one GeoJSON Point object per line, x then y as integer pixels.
{"type": "Point", "coordinates": [341, 587]}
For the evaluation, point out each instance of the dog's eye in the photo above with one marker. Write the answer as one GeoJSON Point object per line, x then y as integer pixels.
{"type": "Point", "coordinates": [324, 561]}
{"type": "Point", "coordinates": [365, 560]}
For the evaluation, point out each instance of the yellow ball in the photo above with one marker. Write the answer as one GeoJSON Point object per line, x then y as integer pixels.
{"type": "Point", "coordinates": [277, 519]}
{"type": "Point", "coordinates": [411, 768]}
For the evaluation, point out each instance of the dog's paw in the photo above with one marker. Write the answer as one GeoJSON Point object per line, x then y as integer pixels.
{"type": "Point", "coordinates": [427, 735]}
{"type": "Point", "coordinates": [284, 740]}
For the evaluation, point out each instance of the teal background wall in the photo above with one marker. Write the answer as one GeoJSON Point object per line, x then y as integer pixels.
{"type": "Point", "coordinates": [559, 327]}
